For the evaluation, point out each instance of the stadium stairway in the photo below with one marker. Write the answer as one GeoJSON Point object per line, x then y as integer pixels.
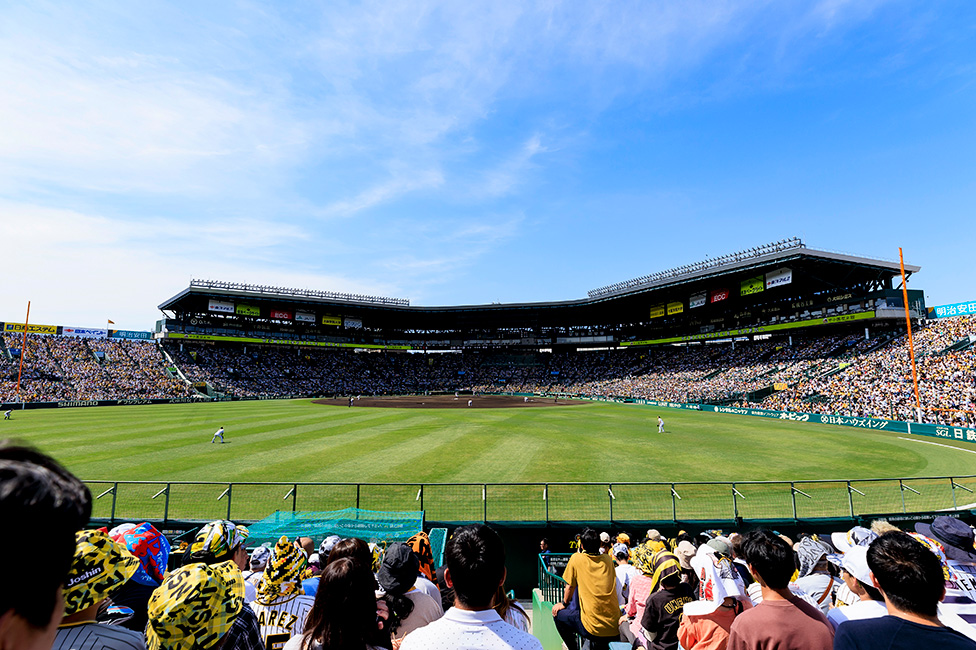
{"type": "Point", "coordinates": [958, 346]}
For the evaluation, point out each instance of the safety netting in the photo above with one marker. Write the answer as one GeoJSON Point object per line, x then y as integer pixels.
{"type": "Point", "coordinates": [370, 525]}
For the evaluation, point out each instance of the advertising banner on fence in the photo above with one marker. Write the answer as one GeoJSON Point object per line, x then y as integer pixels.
{"type": "Point", "coordinates": [779, 278]}
{"type": "Point", "coordinates": [84, 332]}
{"type": "Point", "coordinates": [675, 308]}
{"type": "Point", "coordinates": [304, 344]}
{"type": "Point", "coordinates": [697, 300]}
{"type": "Point", "coordinates": [304, 317]}
{"type": "Point", "coordinates": [658, 311]}
{"type": "Point", "coordinates": [333, 321]}
{"type": "Point", "coordinates": [353, 323]}
{"type": "Point", "coordinates": [957, 309]}
{"type": "Point", "coordinates": [247, 310]}
{"type": "Point", "coordinates": [718, 295]}
{"type": "Point", "coordinates": [222, 307]}
{"type": "Point", "coordinates": [129, 334]}
{"type": "Point", "coordinates": [31, 328]}
{"type": "Point", "coordinates": [280, 315]}
{"type": "Point", "coordinates": [751, 286]}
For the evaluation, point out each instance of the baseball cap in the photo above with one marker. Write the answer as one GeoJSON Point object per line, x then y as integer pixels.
{"type": "Point", "coordinates": [855, 562]}
{"type": "Point", "coordinates": [857, 536]}
{"type": "Point", "coordinates": [620, 548]}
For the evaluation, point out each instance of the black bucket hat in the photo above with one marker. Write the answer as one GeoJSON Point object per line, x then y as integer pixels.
{"type": "Point", "coordinates": [956, 536]}
{"type": "Point", "coordinates": [399, 570]}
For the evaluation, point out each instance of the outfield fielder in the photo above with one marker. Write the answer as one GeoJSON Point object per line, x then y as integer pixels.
{"type": "Point", "coordinates": [6, 414]}
{"type": "Point", "coordinates": [219, 433]}
{"type": "Point", "coordinates": [660, 425]}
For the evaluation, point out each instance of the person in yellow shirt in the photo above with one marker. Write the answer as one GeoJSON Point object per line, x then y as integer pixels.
{"type": "Point", "coordinates": [589, 606]}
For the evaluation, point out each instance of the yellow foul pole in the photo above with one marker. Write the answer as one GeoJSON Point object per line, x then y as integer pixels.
{"type": "Point", "coordinates": [908, 322]}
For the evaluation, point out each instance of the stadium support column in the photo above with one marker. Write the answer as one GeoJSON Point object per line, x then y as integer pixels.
{"type": "Point", "coordinates": [911, 344]}
{"type": "Point", "coordinates": [23, 351]}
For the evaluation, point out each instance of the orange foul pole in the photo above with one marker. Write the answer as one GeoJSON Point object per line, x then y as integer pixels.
{"type": "Point", "coordinates": [23, 350]}
{"type": "Point", "coordinates": [908, 322]}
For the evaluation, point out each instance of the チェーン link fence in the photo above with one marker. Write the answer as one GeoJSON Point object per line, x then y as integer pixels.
{"type": "Point", "coordinates": [538, 502]}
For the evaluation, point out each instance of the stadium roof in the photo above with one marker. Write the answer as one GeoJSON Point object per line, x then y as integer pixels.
{"type": "Point", "coordinates": [814, 271]}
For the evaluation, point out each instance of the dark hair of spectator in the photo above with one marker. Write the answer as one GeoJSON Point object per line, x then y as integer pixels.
{"type": "Point", "coordinates": [475, 557]}
{"type": "Point", "coordinates": [39, 496]}
{"type": "Point", "coordinates": [623, 556]}
{"type": "Point", "coordinates": [671, 581]}
{"type": "Point", "coordinates": [770, 557]}
{"type": "Point", "coordinates": [909, 574]}
{"type": "Point", "coordinates": [343, 616]}
{"type": "Point", "coordinates": [354, 548]}
{"type": "Point", "coordinates": [590, 541]}
{"type": "Point", "coordinates": [502, 604]}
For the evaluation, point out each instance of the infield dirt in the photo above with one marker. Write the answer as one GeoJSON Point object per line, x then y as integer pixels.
{"type": "Point", "coordinates": [450, 402]}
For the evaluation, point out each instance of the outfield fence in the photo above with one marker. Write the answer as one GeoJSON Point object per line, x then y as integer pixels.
{"type": "Point", "coordinates": [538, 503]}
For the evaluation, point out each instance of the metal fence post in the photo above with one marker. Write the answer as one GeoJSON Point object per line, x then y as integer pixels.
{"type": "Point", "coordinates": [735, 506]}
{"type": "Point", "coordinates": [115, 495]}
{"type": "Point", "coordinates": [674, 505]}
{"type": "Point", "coordinates": [421, 496]}
{"type": "Point", "coordinates": [545, 497]}
{"type": "Point", "coordinates": [230, 491]}
{"type": "Point", "coordinates": [166, 507]}
{"type": "Point", "coordinates": [850, 498]}
{"type": "Point", "coordinates": [901, 490]}
{"type": "Point", "coordinates": [294, 498]}
{"type": "Point", "coordinates": [484, 501]}
{"type": "Point", "coordinates": [610, 497]}
{"type": "Point", "coordinates": [793, 499]}
{"type": "Point", "coordinates": [358, 485]}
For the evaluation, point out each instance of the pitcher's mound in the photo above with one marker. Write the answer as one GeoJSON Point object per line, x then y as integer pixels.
{"type": "Point", "coordinates": [449, 402]}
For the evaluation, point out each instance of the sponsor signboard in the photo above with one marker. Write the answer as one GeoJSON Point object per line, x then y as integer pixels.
{"type": "Point", "coordinates": [697, 300]}
{"type": "Point", "coordinates": [31, 328]}
{"type": "Point", "coordinates": [305, 344]}
{"type": "Point", "coordinates": [658, 311]}
{"type": "Point", "coordinates": [957, 309]}
{"type": "Point", "coordinates": [751, 286]}
{"type": "Point", "coordinates": [247, 310]}
{"type": "Point", "coordinates": [675, 308]}
{"type": "Point", "coordinates": [280, 315]}
{"type": "Point", "coordinates": [304, 317]}
{"type": "Point", "coordinates": [129, 334]}
{"type": "Point", "coordinates": [718, 295]}
{"type": "Point", "coordinates": [780, 386]}
{"type": "Point", "coordinates": [759, 329]}
{"type": "Point", "coordinates": [779, 278]}
{"type": "Point", "coordinates": [84, 332]}
{"type": "Point", "coordinates": [333, 321]}
{"type": "Point", "coordinates": [353, 323]}
{"type": "Point", "coordinates": [220, 306]}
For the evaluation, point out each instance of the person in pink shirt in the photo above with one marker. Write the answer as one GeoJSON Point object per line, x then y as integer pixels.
{"type": "Point", "coordinates": [706, 622]}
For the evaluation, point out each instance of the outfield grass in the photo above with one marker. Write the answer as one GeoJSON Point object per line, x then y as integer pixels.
{"type": "Point", "coordinates": [297, 441]}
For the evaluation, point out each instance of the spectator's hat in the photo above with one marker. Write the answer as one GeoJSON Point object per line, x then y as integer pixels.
{"type": "Point", "coordinates": [315, 559]}
{"type": "Point", "coordinates": [117, 532]}
{"type": "Point", "coordinates": [685, 550]}
{"type": "Point", "coordinates": [100, 566]}
{"type": "Point", "coordinates": [260, 557]}
{"type": "Point", "coordinates": [655, 535]}
{"type": "Point", "coordinates": [623, 538]}
{"type": "Point", "coordinates": [282, 576]}
{"type": "Point", "coordinates": [219, 538]}
{"type": "Point", "coordinates": [663, 565]}
{"type": "Point", "coordinates": [809, 552]}
{"type": "Point", "coordinates": [399, 569]}
{"type": "Point", "coordinates": [955, 536]}
{"type": "Point", "coordinates": [328, 544]}
{"type": "Point", "coordinates": [857, 536]}
{"type": "Point", "coordinates": [195, 606]}
{"type": "Point", "coordinates": [719, 580]}
{"type": "Point", "coordinates": [855, 562]}
{"type": "Point", "coordinates": [152, 549]}
{"type": "Point", "coordinates": [619, 548]}
{"type": "Point", "coordinates": [720, 545]}
{"type": "Point", "coordinates": [604, 537]}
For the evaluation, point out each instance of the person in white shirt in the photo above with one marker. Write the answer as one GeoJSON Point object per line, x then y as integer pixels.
{"type": "Point", "coordinates": [660, 425]}
{"type": "Point", "coordinates": [857, 576]}
{"type": "Point", "coordinates": [219, 433]}
{"type": "Point", "coordinates": [475, 569]}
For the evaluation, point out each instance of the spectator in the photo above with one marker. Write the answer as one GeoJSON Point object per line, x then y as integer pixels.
{"type": "Point", "coordinates": [410, 608]}
{"type": "Point", "coordinates": [352, 547]}
{"type": "Point", "coordinates": [345, 614]}
{"type": "Point", "coordinates": [781, 620]}
{"type": "Point", "coordinates": [476, 570]}
{"type": "Point", "coordinates": [706, 623]}
{"type": "Point", "coordinates": [911, 581]}
{"type": "Point", "coordinates": [857, 576]}
{"type": "Point", "coordinates": [39, 496]}
{"type": "Point", "coordinates": [652, 565]}
{"type": "Point", "coordinates": [280, 604]}
{"type": "Point", "coordinates": [624, 571]}
{"type": "Point", "coordinates": [151, 548]}
{"type": "Point", "coordinates": [257, 564]}
{"type": "Point", "coordinates": [195, 607]}
{"type": "Point", "coordinates": [510, 610]}
{"type": "Point", "coordinates": [591, 578]}
{"type": "Point", "coordinates": [814, 575]}
{"type": "Point", "coordinates": [100, 567]}
{"type": "Point", "coordinates": [662, 612]}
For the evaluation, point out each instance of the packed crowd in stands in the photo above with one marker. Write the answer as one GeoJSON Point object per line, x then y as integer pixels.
{"type": "Point", "coordinates": [74, 587]}
{"type": "Point", "coordinates": [846, 374]}
{"type": "Point", "coordinates": [68, 368]}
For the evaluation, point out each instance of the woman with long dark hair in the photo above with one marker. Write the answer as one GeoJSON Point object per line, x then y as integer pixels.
{"type": "Point", "coordinates": [345, 615]}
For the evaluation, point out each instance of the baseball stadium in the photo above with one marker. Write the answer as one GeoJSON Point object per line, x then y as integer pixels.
{"type": "Point", "coordinates": [780, 384]}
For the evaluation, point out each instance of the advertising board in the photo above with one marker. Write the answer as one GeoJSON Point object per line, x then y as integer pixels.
{"type": "Point", "coordinates": [304, 317]}
{"type": "Point", "coordinates": [718, 295]}
{"type": "Point", "coordinates": [130, 334]}
{"type": "Point", "coordinates": [84, 332]}
{"type": "Point", "coordinates": [956, 309]}
{"type": "Point", "coordinates": [675, 308]}
{"type": "Point", "coordinates": [658, 311]}
{"type": "Point", "coordinates": [751, 286]}
{"type": "Point", "coordinates": [220, 306]}
{"type": "Point", "coordinates": [332, 321]}
{"type": "Point", "coordinates": [779, 278]}
{"type": "Point", "coordinates": [697, 300]}
{"type": "Point", "coordinates": [280, 314]}
{"type": "Point", "coordinates": [353, 323]}
{"type": "Point", "coordinates": [31, 328]}
{"type": "Point", "coordinates": [247, 310]}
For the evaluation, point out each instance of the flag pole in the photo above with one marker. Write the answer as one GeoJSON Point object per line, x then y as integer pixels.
{"type": "Point", "coordinates": [23, 351]}
{"type": "Point", "coordinates": [911, 344]}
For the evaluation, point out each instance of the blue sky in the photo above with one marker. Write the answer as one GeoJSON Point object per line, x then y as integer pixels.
{"type": "Point", "coordinates": [471, 152]}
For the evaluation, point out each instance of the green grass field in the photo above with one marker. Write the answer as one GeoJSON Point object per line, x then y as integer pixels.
{"type": "Point", "coordinates": [297, 441]}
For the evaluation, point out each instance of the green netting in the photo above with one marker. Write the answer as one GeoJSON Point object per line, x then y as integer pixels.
{"type": "Point", "coordinates": [438, 539]}
{"type": "Point", "coordinates": [371, 525]}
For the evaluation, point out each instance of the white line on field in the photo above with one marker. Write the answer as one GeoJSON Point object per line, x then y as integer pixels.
{"type": "Point", "coordinates": [938, 444]}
